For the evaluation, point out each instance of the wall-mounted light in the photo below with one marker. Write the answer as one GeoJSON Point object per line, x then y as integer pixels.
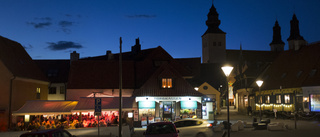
{"type": "Point", "coordinates": [130, 114]}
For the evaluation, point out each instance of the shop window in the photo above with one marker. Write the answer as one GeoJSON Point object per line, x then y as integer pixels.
{"type": "Point", "coordinates": [278, 99]}
{"type": "Point", "coordinates": [267, 99]}
{"type": "Point", "coordinates": [52, 90]}
{"type": "Point", "coordinates": [260, 99]}
{"type": "Point", "coordinates": [62, 90]}
{"type": "Point", "coordinates": [287, 99]}
{"type": "Point", "coordinates": [38, 93]}
{"type": "Point", "coordinates": [166, 83]}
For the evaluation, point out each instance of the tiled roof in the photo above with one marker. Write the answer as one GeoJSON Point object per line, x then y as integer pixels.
{"type": "Point", "coordinates": [57, 71]}
{"type": "Point", "coordinates": [180, 86]}
{"type": "Point", "coordinates": [17, 60]}
{"type": "Point", "coordinates": [100, 74]}
{"type": "Point", "coordinates": [251, 55]}
{"type": "Point", "coordinates": [295, 69]}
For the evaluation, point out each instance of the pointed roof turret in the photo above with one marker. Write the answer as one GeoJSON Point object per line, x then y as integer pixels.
{"type": "Point", "coordinates": [276, 34]}
{"type": "Point", "coordinates": [294, 29]}
{"type": "Point", "coordinates": [213, 21]}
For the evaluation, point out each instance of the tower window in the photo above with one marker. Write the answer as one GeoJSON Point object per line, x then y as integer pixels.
{"type": "Point", "coordinates": [219, 43]}
{"type": "Point", "coordinates": [214, 44]}
{"type": "Point", "coordinates": [166, 83]}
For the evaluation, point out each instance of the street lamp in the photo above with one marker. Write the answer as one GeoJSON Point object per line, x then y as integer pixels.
{"type": "Point", "coordinates": [259, 83]}
{"type": "Point", "coordinates": [227, 70]}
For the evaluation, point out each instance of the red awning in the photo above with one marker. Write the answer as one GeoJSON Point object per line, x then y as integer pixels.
{"type": "Point", "coordinates": [108, 104]}
{"type": "Point", "coordinates": [43, 107]}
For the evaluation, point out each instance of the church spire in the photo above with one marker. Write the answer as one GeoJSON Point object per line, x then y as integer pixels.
{"type": "Point", "coordinates": [277, 44]}
{"type": "Point", "coordinates": [213, 21]}
{"type": "Point", "coordinates": [294, 29]}
{"type": "Point", "coordinates": [295, 40]}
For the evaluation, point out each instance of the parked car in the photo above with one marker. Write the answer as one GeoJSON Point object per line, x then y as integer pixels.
{"type": "Point", "coordinates": [48, 133]}
{"type": "Point", "coordinates": [161, 129]}
{"type": "Point", "coordinates": [194, 128]}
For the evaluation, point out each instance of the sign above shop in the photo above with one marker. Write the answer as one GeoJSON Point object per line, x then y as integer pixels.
{"type": "Point", "coordinates": [168, 98]}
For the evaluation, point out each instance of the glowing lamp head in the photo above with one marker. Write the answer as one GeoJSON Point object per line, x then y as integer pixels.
{"type": "Point", "coordinates": [196, 88]}
{"type": "Point", "coordinates": [259, 83]}
{"type": "Point", "coordinates": [227, 70]}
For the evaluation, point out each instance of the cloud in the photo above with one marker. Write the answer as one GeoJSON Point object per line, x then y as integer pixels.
{"type": "Point", "coordinates": [65, 23]}
{"type": "Point", "coordinates": [39, 25]}
{"type": "Point", "coordinates": [43, 18]}
{"type": "Point", "coordinates": [63, 45]}
{"type": "Point", "coordinates": [141, 16]}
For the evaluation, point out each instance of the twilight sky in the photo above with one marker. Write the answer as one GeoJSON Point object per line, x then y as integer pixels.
{"type": "Point", "coordinates": [51, 29]}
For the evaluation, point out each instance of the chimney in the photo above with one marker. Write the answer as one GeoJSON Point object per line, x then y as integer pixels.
{"type": "Point", "coordinates": [109, 55]}
{"type": "Point", "coordinates": [136, 48]}
{"type": "Point", "coordinates": [74, 56]}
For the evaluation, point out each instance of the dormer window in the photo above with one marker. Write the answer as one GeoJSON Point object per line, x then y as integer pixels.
{"type": "Point", "coordinates": [299, 74]}
{"type": "Point", "coordinates": [283, 75]}
{"type": "Point", "coordinates": [312, 72]}
{"type": "Point", "coordinates": [166, 83]}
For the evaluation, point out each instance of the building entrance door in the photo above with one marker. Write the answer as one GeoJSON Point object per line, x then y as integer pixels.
{"type": "Point", "coordinates": [167, 111]}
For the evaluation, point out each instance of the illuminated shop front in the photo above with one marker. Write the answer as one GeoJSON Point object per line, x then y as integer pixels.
{"type": "Point", "coordinates": [311, 99]}
{"type": "Point", "coordinates": [208, 108]}
{"type": "Point", "coordinates": [155, 109]}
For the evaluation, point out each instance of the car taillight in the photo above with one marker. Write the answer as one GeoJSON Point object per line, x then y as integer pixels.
{"type": "Point", "coordinates": [209, 125]}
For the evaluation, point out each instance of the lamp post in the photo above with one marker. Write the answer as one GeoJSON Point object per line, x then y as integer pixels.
{"type": "Point", "coordinates": [259, 83]}
{"type": "Point", "coordinates": [227, 70]}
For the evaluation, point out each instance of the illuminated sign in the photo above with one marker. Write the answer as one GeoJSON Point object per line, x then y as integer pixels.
{"type": "Point", "coordinates": [188, 104]}
{"type": "Point", "coordinates": [147, 104]}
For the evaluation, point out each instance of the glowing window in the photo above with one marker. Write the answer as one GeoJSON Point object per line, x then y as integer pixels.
{"type": "Point", "coordinates": [166, 83]}
{"type": "Point", "coordinates": [267, 99]}
{"type": "Point", "coordinates": [260, 99]}
{"type": "Point", "coordinates": [286, 98]}
{"type": "Point", "coordinates": [278, 98]}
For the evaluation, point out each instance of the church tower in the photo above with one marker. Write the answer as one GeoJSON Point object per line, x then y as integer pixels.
{"type": "Point", "coordinates": [295, 40]}
{"type": "Point", "coordinates": [277, 44]}
{"type": "Point", "coordinates": [213, 40]}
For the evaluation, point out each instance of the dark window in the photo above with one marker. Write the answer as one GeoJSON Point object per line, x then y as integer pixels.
{"type": "Point", "coordinates": [52, 90]}
{"type": "Point", "coordinates": [219, 43]}
{"type": "Point", "coordinates": [312, 72]}
{"type": "Point", "coordinates": [283, 75]}
{"type": "Point", "coordinates": [62, 90]}
{"type": "Point", "coordinates": [52, 73]}
{"type": "Point", "coordinates": [214, 44]}
{"type": "Point", "coordinates": [299, 74]}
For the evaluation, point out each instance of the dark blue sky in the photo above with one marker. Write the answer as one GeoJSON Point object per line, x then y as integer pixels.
{"type": "Point", "coordinates": [51, 29]}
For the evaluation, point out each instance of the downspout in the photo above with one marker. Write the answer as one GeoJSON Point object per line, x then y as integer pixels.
{"type": "Point", "coordinates": [10, 100]}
